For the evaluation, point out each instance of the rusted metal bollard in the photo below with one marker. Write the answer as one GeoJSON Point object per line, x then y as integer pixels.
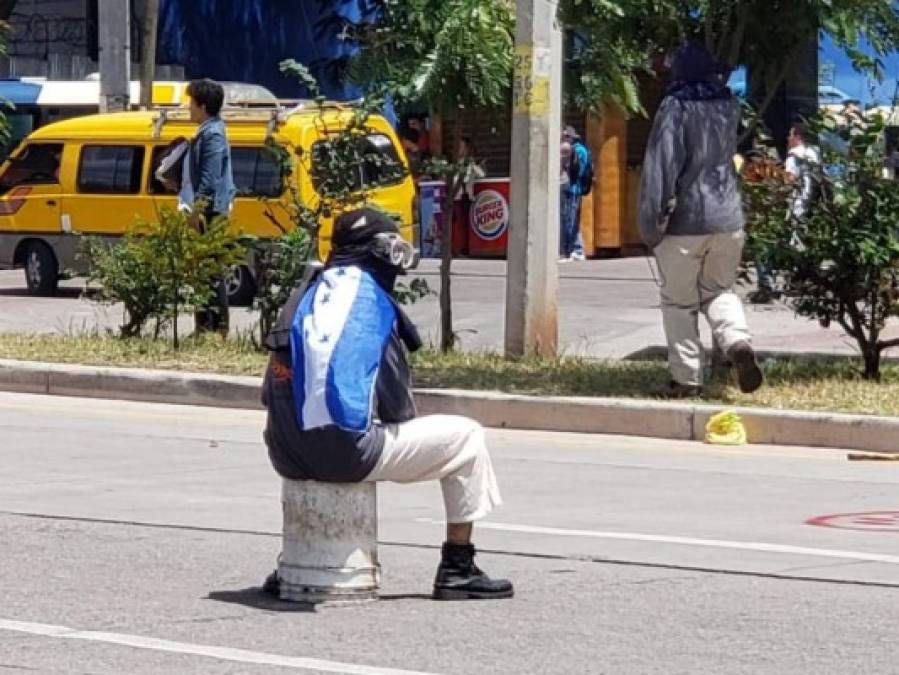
{"type": "Point", "coordinates": [330, 548]}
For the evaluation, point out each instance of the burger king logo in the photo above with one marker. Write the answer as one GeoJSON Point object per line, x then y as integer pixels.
{"type": "Point", "coordinates": [489, 215]}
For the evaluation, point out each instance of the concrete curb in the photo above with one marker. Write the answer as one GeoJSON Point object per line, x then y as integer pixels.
{"type": "Point", "coordinates": [634, 417]}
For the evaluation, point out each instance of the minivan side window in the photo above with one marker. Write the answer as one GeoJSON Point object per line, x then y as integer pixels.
{"type": "Point", "coordinates": [110, 169]}
{"type": "Point", "coordinates": [379, 164]}
{"type": "Point", "coordinates": [256, 172]}
{"type": "Point", "coordinates": [38, 164]}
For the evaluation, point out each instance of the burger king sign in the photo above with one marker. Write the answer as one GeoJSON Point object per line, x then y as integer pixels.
{"type": "Point", "coordinates": [489, 215]}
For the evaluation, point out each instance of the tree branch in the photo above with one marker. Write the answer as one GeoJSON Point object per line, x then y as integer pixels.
{"type": "Point", "coordinates": [739, 33]}
{"type": "Point", "coordinates": [888, 344]}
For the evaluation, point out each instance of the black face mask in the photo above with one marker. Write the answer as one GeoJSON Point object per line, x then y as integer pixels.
{"type": "Point", "coordinates": [384, 273]}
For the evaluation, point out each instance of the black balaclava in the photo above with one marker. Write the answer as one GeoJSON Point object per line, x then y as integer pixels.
{"type": "Point", "coordinates": [696, 75]}
{"type": "Point", "coordinates": [351, 244]}
{"type": "Point", "coordinates": [352, 241]}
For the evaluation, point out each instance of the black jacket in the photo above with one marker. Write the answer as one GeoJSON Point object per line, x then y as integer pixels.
{"type": "Point", "coordinates": [329, 453]}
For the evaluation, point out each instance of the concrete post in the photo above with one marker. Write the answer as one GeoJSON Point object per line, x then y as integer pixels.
{"type": "Point", "coordinates": [149, 28]}
{"type": "Point", "coordinates": [115, 54]}
{"type": "Point", "coordinates": [532, 278]}
{"type": "Point", "coordinates": [330, 548]}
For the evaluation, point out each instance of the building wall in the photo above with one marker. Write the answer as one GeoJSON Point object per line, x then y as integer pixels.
{"type": "Point", "coordinates": [42, 27]}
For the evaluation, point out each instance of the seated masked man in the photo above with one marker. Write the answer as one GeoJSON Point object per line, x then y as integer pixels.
{"type": "Point", "coordinates": [338, 390]}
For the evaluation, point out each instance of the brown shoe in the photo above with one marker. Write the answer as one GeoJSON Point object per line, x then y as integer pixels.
{"type": "Point", "coordinates": [749, 374]}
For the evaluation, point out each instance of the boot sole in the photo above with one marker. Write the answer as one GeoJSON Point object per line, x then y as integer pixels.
{"type": "Point", "coordinates": [749, 375]}
{"type": "Point", "coordinates": [454, 594]}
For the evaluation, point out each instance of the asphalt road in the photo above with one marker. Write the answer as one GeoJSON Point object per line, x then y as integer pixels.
{"type": "Point", "coordinates": [607, 308]}
{"type": "Point", "coordinates": [133, 538]}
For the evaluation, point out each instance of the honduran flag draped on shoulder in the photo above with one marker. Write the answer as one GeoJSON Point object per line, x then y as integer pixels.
{"type": "Point", "coordinates": [337, 340]}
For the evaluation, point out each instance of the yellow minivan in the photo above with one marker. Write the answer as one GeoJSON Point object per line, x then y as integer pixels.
{"type": "Point", "coordinates": [94, 175]}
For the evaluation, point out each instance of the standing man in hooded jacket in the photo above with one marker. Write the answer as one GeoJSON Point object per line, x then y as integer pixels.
{"type": "Point", "coordinates": [691, 217]}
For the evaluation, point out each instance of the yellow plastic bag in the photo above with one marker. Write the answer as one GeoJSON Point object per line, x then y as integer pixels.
{"type": "Point", "coordinates": [725, 428]}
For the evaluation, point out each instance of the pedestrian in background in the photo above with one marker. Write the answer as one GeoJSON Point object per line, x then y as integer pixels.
{"type": "Point", "coordinates": [473, 170]}
{"type": "Point", "coordinates": [691, 217]}
{"type": "Point", "coordinates": [208, 180]}
{"type": "Point", "coordinates": [580, 183]}
{"type": "Point", "coordinates": [803, 169]}
{"type": "Point", "coordinates": [409, 140]}
{"type": "Point", "coordinates": [564, 180]}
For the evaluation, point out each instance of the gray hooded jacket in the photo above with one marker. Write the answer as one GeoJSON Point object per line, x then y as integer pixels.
{"type": "Point", "coordinates": [689, 183]}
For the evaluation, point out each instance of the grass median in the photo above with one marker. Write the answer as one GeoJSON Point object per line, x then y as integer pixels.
{"type": "Point", "coordinates": [824, 384]}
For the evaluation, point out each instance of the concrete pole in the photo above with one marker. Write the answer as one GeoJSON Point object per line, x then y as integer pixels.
{"type": "Point", "coordinates": [149, 25]}
{"type": "Point", "coordinates": [532, 280]}
{"type": "Point", "coordinates": [114, 37]}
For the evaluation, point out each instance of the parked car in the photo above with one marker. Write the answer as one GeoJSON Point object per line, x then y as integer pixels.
{"type": "Point", "coordinates": [94, 175]}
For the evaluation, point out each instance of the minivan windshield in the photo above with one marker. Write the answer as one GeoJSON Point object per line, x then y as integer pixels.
{"type": "Point", "coordinates": [37, 164]}
{"type": "Point", "coordinates": [373, 157]}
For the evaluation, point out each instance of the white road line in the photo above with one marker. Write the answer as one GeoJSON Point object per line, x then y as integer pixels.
{"type": "Point", "coordinates": [222, 653]}
{"type": "Point", "coordinates": [685, 541]}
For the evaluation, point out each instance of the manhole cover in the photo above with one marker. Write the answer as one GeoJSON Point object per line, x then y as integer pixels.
{"type": "Point", "coordinates": [873, 521]}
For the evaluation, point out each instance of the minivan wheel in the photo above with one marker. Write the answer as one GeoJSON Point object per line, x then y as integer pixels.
{"type": "Point", "coordinates": [241, 286]}
{"type": "Point", "coordinates": [41, 269]}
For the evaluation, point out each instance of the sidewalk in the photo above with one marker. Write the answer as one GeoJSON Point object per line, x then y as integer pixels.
{"type": "Point", "coordinates": [607, 309]}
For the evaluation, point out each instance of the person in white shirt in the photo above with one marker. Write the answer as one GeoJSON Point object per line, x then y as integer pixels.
{"type": "Point", "coordinates": [802, 166]}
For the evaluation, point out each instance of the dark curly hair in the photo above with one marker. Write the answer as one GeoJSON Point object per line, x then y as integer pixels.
{"type": "Point", "coordinates": [207, 94]}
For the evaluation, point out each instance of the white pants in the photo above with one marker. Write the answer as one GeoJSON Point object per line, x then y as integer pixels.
{"type": "Point", "coordinates": [698, 273]}
{"type": "Point", "coordinates": [451, 449]}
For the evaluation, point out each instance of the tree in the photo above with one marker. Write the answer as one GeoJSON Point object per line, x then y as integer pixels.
{"type": "Point", "coordinates": [618, 38]}
{"type": "Point", "coordinates": [840, 263]}
{"type": "Point", "coordinates": [451, 56]}
{"type": "Point", "coordinates": [345, 168]}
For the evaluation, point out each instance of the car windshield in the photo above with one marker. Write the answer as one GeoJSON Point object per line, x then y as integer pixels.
{"type": "Point", "coordinates": [36, 165]}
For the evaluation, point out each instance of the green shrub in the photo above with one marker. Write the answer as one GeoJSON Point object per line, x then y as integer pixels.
{"type": "Point", "coordinates": [840, 262]}
{"type": "Point", "coordinates": [159, 271]}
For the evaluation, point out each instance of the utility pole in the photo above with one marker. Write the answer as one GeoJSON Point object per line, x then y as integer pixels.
{"type": "Point", "coordinates": [149, 23]}
{"type": "Point", "coordinates": [114, 37]}
{"type": "Point", "coordinates": [532, 279]}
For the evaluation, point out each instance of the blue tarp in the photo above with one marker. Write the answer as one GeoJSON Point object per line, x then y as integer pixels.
{"type": "Point", "coordinates": [245, 40]}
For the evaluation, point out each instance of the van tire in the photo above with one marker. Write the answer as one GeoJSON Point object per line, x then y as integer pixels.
{"type": "Point", "coordinates": [41, 269]}
{"type": "Point", "coordinates": [241, 286]}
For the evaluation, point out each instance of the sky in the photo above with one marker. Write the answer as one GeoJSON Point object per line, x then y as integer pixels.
{"type": "Point", "coordinates": [855, 84]}
{"type": "Point", "coordinates": [846, 78]}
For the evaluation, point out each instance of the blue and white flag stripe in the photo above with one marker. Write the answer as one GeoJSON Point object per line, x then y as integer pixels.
{"type": "Point", "coordinates": [339, 335]}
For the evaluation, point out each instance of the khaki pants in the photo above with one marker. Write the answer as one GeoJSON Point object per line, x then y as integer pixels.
{"type": "Point", "coordinates": [445, 448]}
{"type": "Point", "coordinates": [698, 273]}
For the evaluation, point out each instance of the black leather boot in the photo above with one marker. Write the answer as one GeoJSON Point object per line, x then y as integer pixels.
{"type": "Point", "coordinates": [458, 578]}
{"type": "Point", "coordinates": [272, 584]}
{"type": "Point", "coordinates": [749, 375]}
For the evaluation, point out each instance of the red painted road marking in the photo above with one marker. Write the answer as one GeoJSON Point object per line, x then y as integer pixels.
{"type": "Point", "coordinates": [873, 521]}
